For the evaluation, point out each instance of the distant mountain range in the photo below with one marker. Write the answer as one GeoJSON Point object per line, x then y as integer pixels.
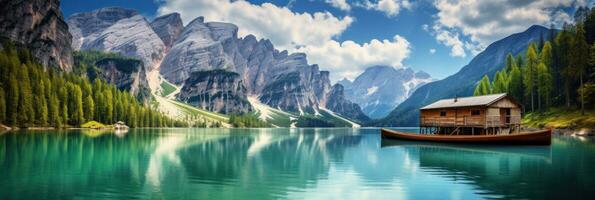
{"type": "Point", "coordinates": [464, 81]}
{"type": "Point", "coordinates": [379, 89]}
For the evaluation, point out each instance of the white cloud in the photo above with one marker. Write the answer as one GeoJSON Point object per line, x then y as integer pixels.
{"type": "Point", "coordinates": [282, 26]}
{"type": "Point", "coordinates": [348, 59]}
{"type": "Point", "coordinates": [311, 33]}
{"type": "Point", "coordinates": [425, 27]}
{"type": "Point", "coordinates": [340, 4]}
{"type": "Point", "coordinates": [432, 51]}
{"type": "Point", "coordinates": [450, 39]}
{"type": "Point", "coordinates": [483, 22]}
{"type": "Point", "coordinates": [389, 7]}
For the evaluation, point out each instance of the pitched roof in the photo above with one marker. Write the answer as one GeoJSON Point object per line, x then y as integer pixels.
{"type": "Point", "coordinates": [484, 100]}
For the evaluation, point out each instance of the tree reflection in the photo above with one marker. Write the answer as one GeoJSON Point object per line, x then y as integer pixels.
{"type": "Point", "coordinates": [159, 163]}
{"type": "Point", "coordinates": [559, 172]}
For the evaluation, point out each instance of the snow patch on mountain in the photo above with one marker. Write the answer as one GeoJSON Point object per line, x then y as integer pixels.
{"type": "Point", "coordinates": [372, 90]}
{"type": "Point", "coordinates": [381, 88]}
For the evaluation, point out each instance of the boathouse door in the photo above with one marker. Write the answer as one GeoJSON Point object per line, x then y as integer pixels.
{"type": "Point", "coordinates": [505, 115]}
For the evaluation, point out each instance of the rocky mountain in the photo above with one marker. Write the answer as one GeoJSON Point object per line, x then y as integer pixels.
{"type": "Point", "coordinates": [337, 102]}
{"type": "Point", "coordinates": [217, 91]}
{"type": "Point", "coordinates": [168, 28]}
{"type": "Point", "coordinates": [211, 66]}
{"type": "Point", "coordinates": [279, 80]}
{"type": "Point", "coordinates": [118, 30]}
{"type": "Point", "coordinates": [463, 82]}
{"type": "Point", "coordinates": [379, 89]}
{"type": "Point", "coordinates": [126, 74]}
{"type": "Point", "coordinates": [40, 26]}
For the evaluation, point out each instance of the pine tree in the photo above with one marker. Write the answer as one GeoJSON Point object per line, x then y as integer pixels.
{"type": "Point", "coordinates": [579, 60]}
{"type": "Point", "coordinates": [544, 78]}
{"type": "Point", "coordinates": [564, 46]}
{"type": "Point", "coordinates": [515, 83]}
{"type": "Point", "coordinates": [41, 104]}
{"type": "Point", "coordinates": [546, 54]}
{"type": "Point", "coordinates": [26, 113]}
{"type": "Point", "coordinates": [510, 61]}
{"type": "Point", "coordinates": [54, 111]}
{"type": "Point", "coordinates": [12, 101]}
{"type": "Point", "coordinates": [519, 61]}
{"type": "Point", "coordinates": [132, 118]}
{"type": "Point", "coordinates": [590, 27]}
{"type": "Point", "coordinates": [77, 105]}
{"type": "Point", "coordinates": [89, 108]}
{"type": "Point", "coordinates": [530, 74]}
{"type": "Point", "coordinates": [63, 99]}
{"type": "Point", "coordinates": [109, 106]}
{"type": "Point", "coordinates": [500, 84]}
{"type": "Point", "coordinates": [2, 106]}
{"type": "Point", "coordinates": [483, 87]}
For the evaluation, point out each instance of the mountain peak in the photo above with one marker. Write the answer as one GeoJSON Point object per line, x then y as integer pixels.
{"type": "Point", "coordinates": [109, 13]}
{"type": "Point", "coordinates": [169, 17]}
{"type": "Point", "coordinates": [381, 88]}
{"type": "Point", "coordinates": [422, 74]}
{"type": "Point", "coordinates": [536, 27]}
{"type": "Point", "coordinates": [168, 28]}
{"type": "Point", "coordinates": [199, 19]}
{"type": "Point", "coordinates": [379, 68]}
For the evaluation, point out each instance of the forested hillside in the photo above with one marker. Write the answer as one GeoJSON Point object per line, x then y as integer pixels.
{"type": "Point", "coordinates": [34, 96]}
{"type": "Point", "coordinates": [556, 72]}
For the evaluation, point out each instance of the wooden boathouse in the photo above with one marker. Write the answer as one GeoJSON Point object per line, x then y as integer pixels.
{"type": "Point", "coordinates": [493, 114]}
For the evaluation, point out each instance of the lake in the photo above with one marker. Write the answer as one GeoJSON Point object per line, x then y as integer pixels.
{"type": "Point", "coordinates": [284, 164]}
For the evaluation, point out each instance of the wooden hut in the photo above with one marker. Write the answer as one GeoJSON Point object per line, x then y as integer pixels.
{"type": "Point", "coordinates": [488, 114]}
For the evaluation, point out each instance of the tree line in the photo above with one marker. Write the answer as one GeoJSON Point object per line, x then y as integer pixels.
{"type": "Point", "coordinates": [557, 72]}
{"type": "Point", "coordinates": [247, 120]}
{"type": "Point", "coordinates": [31, 95]}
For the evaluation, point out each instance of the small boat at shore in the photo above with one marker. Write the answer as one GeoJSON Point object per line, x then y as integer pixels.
{"type": "Point", "coordinates": [540, 137]}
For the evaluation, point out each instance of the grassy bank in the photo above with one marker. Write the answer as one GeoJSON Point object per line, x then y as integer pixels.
{"type": "Point", "coordinates": [560, 118]}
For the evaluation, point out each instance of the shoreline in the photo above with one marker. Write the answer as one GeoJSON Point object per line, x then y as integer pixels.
{"type": "Point", "coordinates": [573, 132]}
{"type": "Point", "coordinates": [555, 131]}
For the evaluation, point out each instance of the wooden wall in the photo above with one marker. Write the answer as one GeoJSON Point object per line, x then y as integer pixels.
{"type": "Point", "coordinates": [454, 117]}
{"type": "Point", "coordinates": [492, 116]}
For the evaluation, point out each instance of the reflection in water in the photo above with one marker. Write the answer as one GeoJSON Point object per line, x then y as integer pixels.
{"type": "Point", "coordinates": [283, 163]}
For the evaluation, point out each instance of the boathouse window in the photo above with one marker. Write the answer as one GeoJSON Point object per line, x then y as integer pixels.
{"type": "Point", "coordinates": [442, 113]}
{"type": "Point", "coordinates": [475, 112]}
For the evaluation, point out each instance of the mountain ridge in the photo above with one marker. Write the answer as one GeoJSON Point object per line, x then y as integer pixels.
{"type": "Point", "coordinates": [379, 89]}
{"type": "Point", "coordinates": [463, 82]}
{"type": "Point", "coordinates": [279, 79]}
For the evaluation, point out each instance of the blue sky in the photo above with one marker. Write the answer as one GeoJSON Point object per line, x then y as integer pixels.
{"type": "Point", "coordinates": [438, 37]}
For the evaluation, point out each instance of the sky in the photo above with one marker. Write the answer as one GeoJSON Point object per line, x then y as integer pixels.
{"type": "Point", "coordinates": [347, 36]}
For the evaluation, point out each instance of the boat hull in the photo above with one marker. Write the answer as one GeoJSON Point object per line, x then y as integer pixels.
{"type": "Point", "coordinates": [541, 137]}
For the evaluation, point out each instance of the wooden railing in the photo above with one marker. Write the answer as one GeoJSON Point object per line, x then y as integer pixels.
{"type": "Point", "coordinates": [485, 121]}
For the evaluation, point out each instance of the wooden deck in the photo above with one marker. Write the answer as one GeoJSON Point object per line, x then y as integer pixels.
{"type": "Point", "coordinates": [470, 121]}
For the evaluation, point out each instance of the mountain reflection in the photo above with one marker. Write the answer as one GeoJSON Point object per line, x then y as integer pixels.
{"type": "Point", "coordinates": [213, 163]}
{"type": "Point", "coordinates": [283, 163]}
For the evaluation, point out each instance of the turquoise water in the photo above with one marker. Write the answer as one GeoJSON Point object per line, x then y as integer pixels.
{"type": "Point", "coordinates": [284, 164]}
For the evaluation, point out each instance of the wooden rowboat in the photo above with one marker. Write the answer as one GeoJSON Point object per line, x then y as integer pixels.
{"type": "Point", "coordinates": [541, 137]}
